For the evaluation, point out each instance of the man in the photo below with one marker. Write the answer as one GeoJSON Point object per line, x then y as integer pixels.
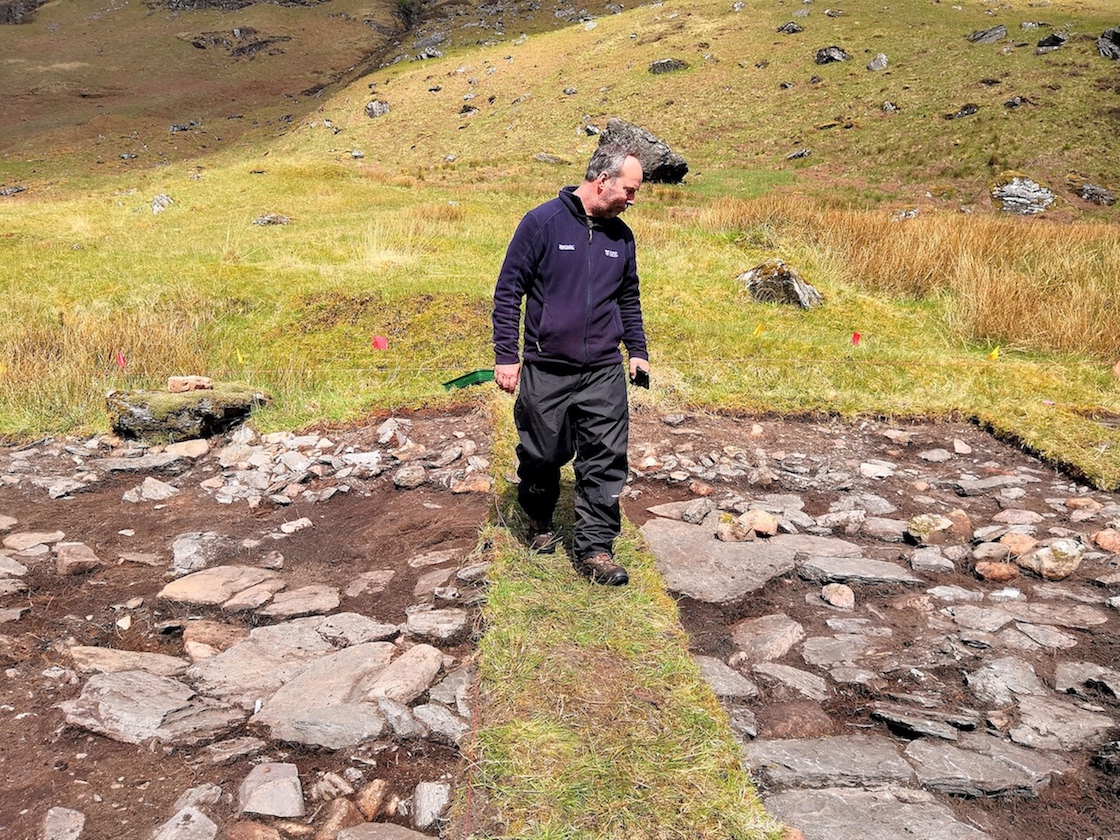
{"type": "Point", "coordinates": [572, 261]}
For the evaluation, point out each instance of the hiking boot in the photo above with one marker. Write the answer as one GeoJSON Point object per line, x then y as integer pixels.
{"type": "Point", "coordinates": [602, 569]}
{"type": "Point", "coordinates": [542, 539]}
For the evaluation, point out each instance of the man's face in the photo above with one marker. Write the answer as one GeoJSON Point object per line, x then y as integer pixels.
{"type": "Point", "coordinates": [616, 194]}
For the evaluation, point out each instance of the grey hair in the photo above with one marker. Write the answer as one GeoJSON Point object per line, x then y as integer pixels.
{"type": "Point", "coordinates": [608, 160]}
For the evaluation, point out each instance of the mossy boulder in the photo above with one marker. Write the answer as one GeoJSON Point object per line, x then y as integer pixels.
{"type": "Point", "coordinates": [163, 416]}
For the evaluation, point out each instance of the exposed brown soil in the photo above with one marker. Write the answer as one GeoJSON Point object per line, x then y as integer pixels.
{"type": "Point", "coordinates": [124, 790]}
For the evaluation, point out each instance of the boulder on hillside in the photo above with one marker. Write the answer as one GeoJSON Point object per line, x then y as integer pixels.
{"type": "Point", "coordinates": [163, 416]}
{"type": "Point", "coordinates": [18, 11]}
{"type": "Point", "coordinates": [667, 65]}
{"type": "Point", "coordinates": [988, 36]}
{"type": "Point", "coordinates": [1108, 45]}
{"type": "Point", "coordinates": [660, 163]}
{"type": "Point", "coordinates": [1018, 194]}
{"type": "Point", "coordinates": [776, 281]}
{"type": "Point", "coordinates": [830, 55]}
{"type": "Point", "coordinates": [1094, 193]}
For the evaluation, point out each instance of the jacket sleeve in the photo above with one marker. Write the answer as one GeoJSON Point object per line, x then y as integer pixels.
{"type": "Point", "coordinates": [517, 273]}
{"type": "Point", "coordinates": [630, 308]}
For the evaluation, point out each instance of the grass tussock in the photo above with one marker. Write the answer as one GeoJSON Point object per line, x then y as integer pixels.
{"type": "Point", "coordinates": [1026, 283]}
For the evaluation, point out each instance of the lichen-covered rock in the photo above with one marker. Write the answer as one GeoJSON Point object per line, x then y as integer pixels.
{"type": "Point", "coordinates": [162, 416]}
{"type": "Point", "coordinates": [776, 281]}
{"type": "Point", "coordinates": [1016, 193]}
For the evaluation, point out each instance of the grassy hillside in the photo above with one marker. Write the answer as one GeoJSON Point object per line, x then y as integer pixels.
{"type": "Point", "coordinates": [399, 223]}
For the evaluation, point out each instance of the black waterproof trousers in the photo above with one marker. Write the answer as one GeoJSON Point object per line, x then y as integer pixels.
{"type": "Point", "coordinates": [561, 413]}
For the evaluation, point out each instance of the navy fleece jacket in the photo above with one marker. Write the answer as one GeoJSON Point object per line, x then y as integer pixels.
{"type": "Point", "coordinates": [579, 279]}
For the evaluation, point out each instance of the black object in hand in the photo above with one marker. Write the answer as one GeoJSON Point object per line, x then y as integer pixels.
{"type": "Point", "coordinates": [640, 378]}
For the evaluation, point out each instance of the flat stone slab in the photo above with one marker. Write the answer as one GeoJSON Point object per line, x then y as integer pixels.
{"type": "Point", "coordinates": [1003, 771]}
{"type": "Point", "coordinates": [999, 681]}
{"type": "Point", "coordinates": [854, 570]}
{"type": "Point", "coordinates": [215, 585]}
{"type": "Point", "coordinates": [701, 567]}
{"type": "Point", "coordinates": [845, 814]}
{"type": "Point", "coordinates": [806, 684]}
{"type": "Point", "coordinates": [726, 682]}
{"type": "Point", "coordinates": [307, 600]}
{"type": "Point", "coordinates": [133, 706]}
{"type": "Point", "coordinates": [768, 637]}
{"type": "Point", "coordinates": [321, 705]}
{"type": "Point", "coordinates": [1051, 723]}
{"type": "Point", "coordinates": [88, 658]}
{"type": "Point", "coordinates": [861, 761]}
{"type": "Point", "coordinates": [272, 789]}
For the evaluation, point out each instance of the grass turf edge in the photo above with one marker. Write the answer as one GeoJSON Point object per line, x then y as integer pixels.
{"type": "Point", "coordinates": [595, 721]}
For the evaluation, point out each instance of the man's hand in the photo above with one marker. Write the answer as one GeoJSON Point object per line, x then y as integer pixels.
{"type": "Point", "coordinates": [636, 365]}
{"type": "Point", "coordinates": [506, 376]}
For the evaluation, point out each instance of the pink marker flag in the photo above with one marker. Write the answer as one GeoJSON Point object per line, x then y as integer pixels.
{"type": "Point", "coordinates": [121, 360]}
{"type": "Point", "coordinates": [380, 342]}
{"type": "Point", "coordinates": [855, 338]}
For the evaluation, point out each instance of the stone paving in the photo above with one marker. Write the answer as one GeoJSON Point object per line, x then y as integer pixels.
{"type": "Point", "coordinates": [951, 601]}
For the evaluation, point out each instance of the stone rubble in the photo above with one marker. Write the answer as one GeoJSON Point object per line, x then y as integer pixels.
{"type": "Point", "coordinates": [958, 710]}
{"type": "Point", "coordinates": [265, 652]}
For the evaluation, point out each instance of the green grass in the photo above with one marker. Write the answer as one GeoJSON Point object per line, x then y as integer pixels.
{"type": "Point", "coordinates": [597, 722]}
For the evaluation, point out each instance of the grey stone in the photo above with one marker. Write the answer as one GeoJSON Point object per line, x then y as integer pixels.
{"type": "Point", "coordinates": [838, 595]}
{"type": "Point", "coordinates": [272, 790]}
{"type": "Point", "coordinates": [878, 63]}
{"type": "Point", "coordinates": [133, 706]}
{"type": "Point", "coordinates": [188, 824]}
{"type": "Point", "coordinates": [988, 36]}
{"type": "Point", "coordinates": [110, 660]}
{"type": "Point", "coordinates": [205, 794]}
{"type": "Point", "coordinates": [429, 803]}
{"type": "Point", "coordinates": [215, 585]}
{"type": "Point", "coordinates": [150, 490]}
{"type": "Point", "coordinates": [1047, 636]}
{"type": "Point", "coordinates": [806, 684]}
{"type": "Point", "coordinates": [1086, 677]}
{"type": "Point", "coordinates": [727, 683]}
{"type": "Point", "coordinates": [985, 619]}
{"type": "Point", "coordinates": [322, 705]}
{"type": "Point", "coordinates": [660, 163]}
{"type": "Point", "coordinates": [913, 722]}
{"type": "Point", "coordinates": [194, 551]}
{"type": "Point", "coordinates": [442, 722]}
{"type": "Point", "coordinates": [63, 487]}
{"type": "Point", "coordinates": [10, 567]}
{"type": "Point", "coordinates": [877, 470]}
{"type": "Point", "coordinates": [222, 751]}
{"type": "Point", "coordinates": [63, 824]}
{"type": "Point", "coordinates": [936, 456]}
{"type": "Point", "coordinates": [841, 761]}
{"type": "Point", "coordinates": [999, 681]}
{"type": "Point", "coordinates": [408, 676]}
{"type": "Point", "coordinates": [347, 629]}
{"type": "Point", "coordinates": [830, 651]}
{"type": "Point", "coordinates": [845, 814]}
{"type": "Point", "coordinates": [1021, 196]}
{"type": "Point", "coordinates": [991, 552]}
{"type": "Point", "coordinates": [854, 570]}
{"type": "Point", "coordinates": [883, 529]}
{"type": "Point", "coordinates": [410, 476]}
{"type": "Point", "coordinates": [307, 600]}
{"type": "Point", "coordinates": [401, 720]}
{"type": "Point", "coordinates": [982, 486]}
{"type": "Point", "coordinates": [256, 668]}
{"type": "Point", "coordinates": [1075, 616]}
{"type": "Point", "coordinates": [767, 637]}
{"type": "Point", "coordinates": [1057, 724]}
{"type": "Point", "coordinates": [155, 462]}
{"type": "Point", "coordinates": [949, 769]}
{"type": "Point", "coordinates": [706, 569]}
{"type": "Point", "coordinates": [448, 626]}
{"type": "Point", "coordinates": [930, 560]}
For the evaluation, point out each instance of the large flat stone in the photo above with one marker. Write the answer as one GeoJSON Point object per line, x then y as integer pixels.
{"type": "Point", "coordinates": [845, 814]}
{"type": "Point", "coordinates": [863, 761]}
{"type": "Point", "coordinates": [699, 566]}
{"type": "Point", "coordinates": [854, 570]}
{"type": "Point", "coordinates": [215, 585]}
{"type": "Point", "coordinates": [949, 769]}
{"type": "Point", "coordinates": [321, 705]}
{"type": "Point", "coordinates": [767, 637]}
{"type": "Point", "coordinates": [1052, 723]}
{"type": "Point", "coordinates": [133, 706]}
{"type": "Point", "coordinates": [89, 658]}
{"type": "Point", "coordinates": [727, 683]}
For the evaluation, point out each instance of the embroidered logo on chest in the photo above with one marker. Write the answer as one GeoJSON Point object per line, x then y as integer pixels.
{"type": "Point", "coordinates": [567, 247]}
{"type": "Point", "coordinates": [610, 253]}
